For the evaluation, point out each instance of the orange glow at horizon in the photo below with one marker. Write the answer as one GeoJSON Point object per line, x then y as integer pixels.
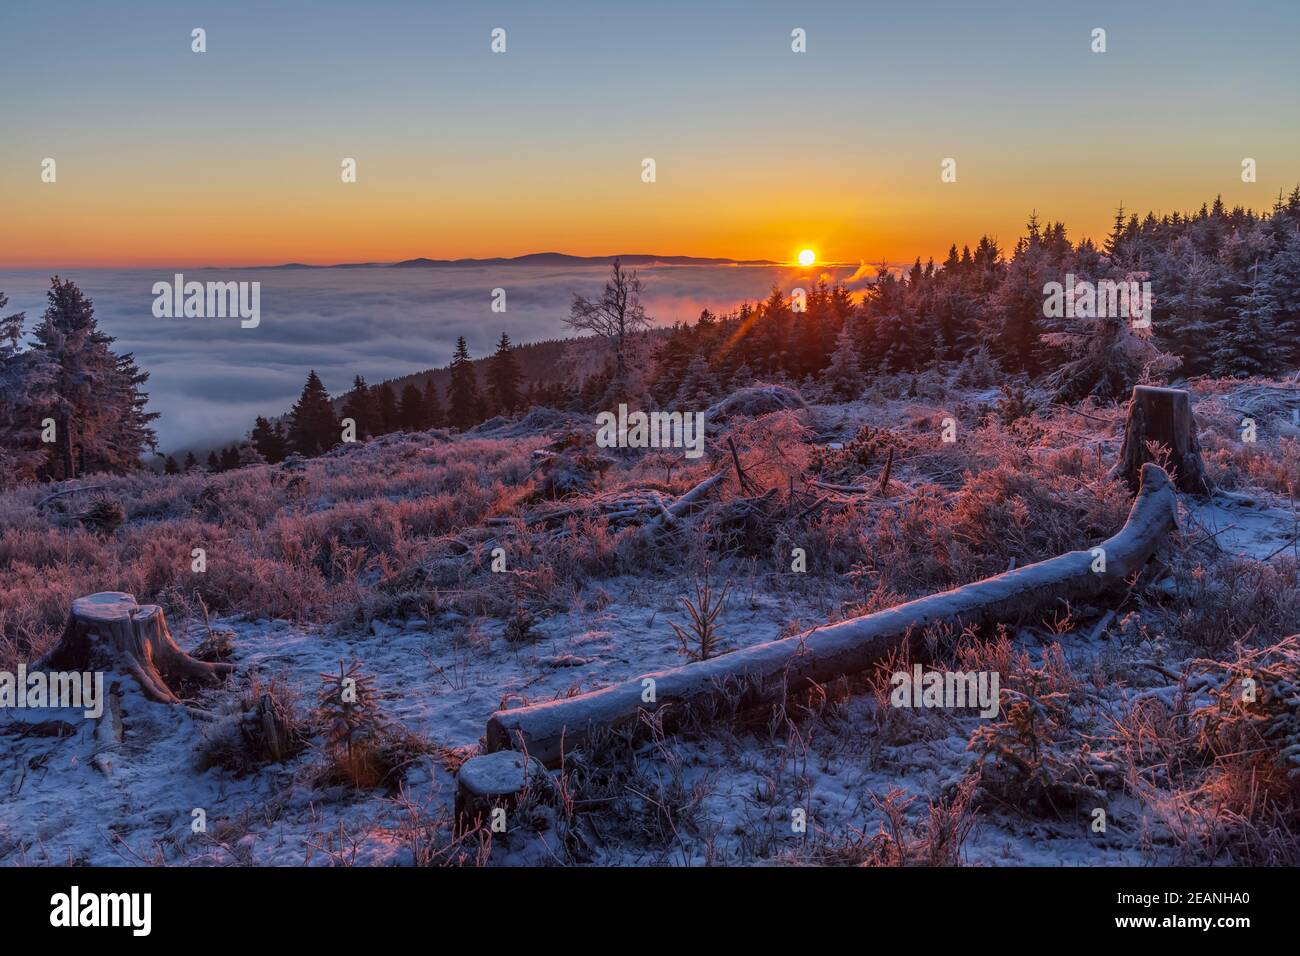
{"type": "Point", "coordinates": [113, 216]}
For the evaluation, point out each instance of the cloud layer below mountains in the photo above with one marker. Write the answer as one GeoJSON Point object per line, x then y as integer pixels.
{"type": "Point", "coordinates": [209, 377]}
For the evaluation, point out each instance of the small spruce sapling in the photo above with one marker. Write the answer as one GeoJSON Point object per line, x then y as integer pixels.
{"type": "Point", "coordinates": [699, 639]}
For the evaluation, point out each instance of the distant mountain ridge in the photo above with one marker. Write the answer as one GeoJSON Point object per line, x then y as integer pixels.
{"type": "Point", "coordinates": [535, 259]}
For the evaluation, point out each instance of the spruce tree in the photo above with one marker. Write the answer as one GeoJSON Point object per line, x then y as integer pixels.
{"type": "Point", "coordinates": [1282, 277]}
{"type": "Point", "coordinates": [1015, 317]}
{"type": "Point", "coordinates": [1115, 241]}
{"type": "Point", "coordinates": [410, 409]}
{"type": "Point", "coordinates": [433, 413]}
{"type": "Point", "coordinates": [96, 401]}
{"type": "Point", "coordinates": [361, 407]}
{"type": "Point", "coordinates": [769, 353]}
{"type": "Point", "coordinates": [462, 393]}
{"type": "Point", "coordinates": [696, 391]}
{"type": "Point", "coordinates": [130, 428]}
{"type": "Point", "coordinates": [1187, 315]}
{"type": "Point", "coordinates": [25, 380]}
{"type": "Point", "coordinates": [268, 441]}
{"type": "Point", "coordinates": [246, 453]}
{"type": "Point", "coordinates": [386, 403]}
{"type": "Point", "coordinates": [190, 461]}
{"type": "Point", "coordinates": [503, 378]}
{"type": "Point", "coordinates": [1248, 335]}
{"type": "Point", "coordinates": [312, 426]}
{"type": "Point", "coordinates": [673, 354]}
{"type": "Point", "coordinates": [844, 374]}
{"type": "Point", "coordinates": [170, 467]}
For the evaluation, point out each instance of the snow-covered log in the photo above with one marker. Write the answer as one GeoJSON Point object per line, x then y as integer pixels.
{"type": "Point", "coordinates": [683, 505]}
{"type": "Point", "coordinates": [765, 672]}
{"type": "Point", "coordinates": [1164, 416]}
{"type": "Point", "coordinates": [110, 630]}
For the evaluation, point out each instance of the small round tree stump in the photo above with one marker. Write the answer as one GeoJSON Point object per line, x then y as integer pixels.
{"type": "Point", "coordinates": [495, 780]}
{"type": "Point", "coordinates": [111, 630]}
{"type": "Point", "coordinates": [1162, 416]}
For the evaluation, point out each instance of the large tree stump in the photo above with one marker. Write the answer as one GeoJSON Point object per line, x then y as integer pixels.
{"type": "Point", "coordinates": [111, 631]}
{"type": "Point", "coordinates": [1164, 416]}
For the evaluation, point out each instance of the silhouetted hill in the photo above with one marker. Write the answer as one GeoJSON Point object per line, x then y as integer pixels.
{"type": "Point", "coordinates": [535, 259]}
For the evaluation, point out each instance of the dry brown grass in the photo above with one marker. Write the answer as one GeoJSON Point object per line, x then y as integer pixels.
{"type": "Point", "coordinates": [309, 546]}
{"type": "Point", "coordinates": [937, 838]}
{"type": "Point", "coordinates": [1217, 603]}
{"type": "Point", "coordinates": [1217, 765]}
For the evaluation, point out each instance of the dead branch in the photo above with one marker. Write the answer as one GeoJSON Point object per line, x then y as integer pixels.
{"type": "Point", "coordinates": [67, 491]}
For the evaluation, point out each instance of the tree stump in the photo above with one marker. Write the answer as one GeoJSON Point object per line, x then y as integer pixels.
{"type": "Point", "coordinates": [1164, 416]}
{"type": "Point", "coordinates": [495, 780]}
{"type": "Point", "coordinates": [110, 630]}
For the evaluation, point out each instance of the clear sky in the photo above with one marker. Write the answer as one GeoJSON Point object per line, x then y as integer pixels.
{"type": "Point", "coordinates": [170, 158]}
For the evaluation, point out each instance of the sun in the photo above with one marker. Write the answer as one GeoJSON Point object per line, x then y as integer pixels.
{"type": "Point", "coordinates": [807, 258]}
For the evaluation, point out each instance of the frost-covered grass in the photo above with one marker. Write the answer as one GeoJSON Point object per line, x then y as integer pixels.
{"type": "Point", "coordinates": [303, 545]}
{"type": "Point", "coordinates": [383, 554]}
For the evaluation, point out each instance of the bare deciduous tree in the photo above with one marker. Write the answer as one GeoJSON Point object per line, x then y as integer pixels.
{"type": "Point", "coordinates": [614, 316]}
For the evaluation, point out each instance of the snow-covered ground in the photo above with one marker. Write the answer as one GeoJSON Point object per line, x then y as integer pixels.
{"type": "Point", "coordinates": [1260, 525]}
{"type": "Point", "coordinates": [735, 788]}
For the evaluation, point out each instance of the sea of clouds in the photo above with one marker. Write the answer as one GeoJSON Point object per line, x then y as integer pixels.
{"type": "Point", "coordinates": [209, 377]}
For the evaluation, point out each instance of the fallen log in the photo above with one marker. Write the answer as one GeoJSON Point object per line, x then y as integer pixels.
{"type": "Point", "coordinates": [842, 489]}
{"type": "Point", "coordinates": [110, 630]}
{"type": "Point", "coordinates": [682, 506]}
{"type": "Point", "coordinates": [765, 672]}
{"type": "Point", "coordinates": [812, 507]}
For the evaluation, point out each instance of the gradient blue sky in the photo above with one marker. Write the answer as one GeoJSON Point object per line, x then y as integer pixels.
{"type": "Point", "coordinates": [170, 158]}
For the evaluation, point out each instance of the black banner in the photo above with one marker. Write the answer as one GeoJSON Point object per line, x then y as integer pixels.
{"type": "Point", "coordinates": [342, 905]}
